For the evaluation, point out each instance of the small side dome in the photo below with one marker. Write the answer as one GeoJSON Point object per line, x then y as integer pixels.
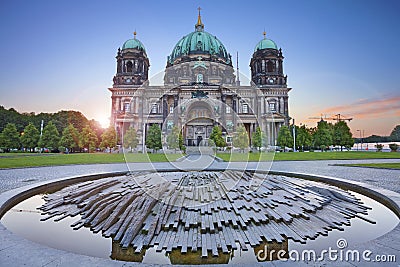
{"type": "Point", "coordinates": [266, 44]}
{"type": "Point", "coordinates": [133, 44]}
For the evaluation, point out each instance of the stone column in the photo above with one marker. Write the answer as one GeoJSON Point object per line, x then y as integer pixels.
{"type": "Point", "coordinates": [165, 107]}
{"type": "Point", "coordinates": [223, 110]}
{"type": "Point", "coordinates": [176, 109]}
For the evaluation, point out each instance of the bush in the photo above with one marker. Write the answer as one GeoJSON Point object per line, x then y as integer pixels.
{"type": "Point", "coordinates": [394, 147]}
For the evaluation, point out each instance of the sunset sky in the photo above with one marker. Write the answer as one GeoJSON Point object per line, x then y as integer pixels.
{"type": "Point", "coordinates": [340, 56]}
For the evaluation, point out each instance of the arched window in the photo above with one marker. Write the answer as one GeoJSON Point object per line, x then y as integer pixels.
{"type": "Point", "coordinates": [199, 78]}
{"type": "Point", "coordinates": [270, 66]}
{"type": "Point", "coordinates": [199, 45]}
{"type": "Point", "coordinates": [129, 66]}
{"type": "Point", "coordinates": [263, 65]}
{"type": "Point", "coordinates": [127, 107]}
{"type": "Point", "coordinates": [154, 108]}
{"type": "Point", "coordinates": [272, 106]}
{"type": "Point", "coordinates": [245, 108]}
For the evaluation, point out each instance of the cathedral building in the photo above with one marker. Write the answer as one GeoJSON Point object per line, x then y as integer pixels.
{"type": "Point", "coordinates": [201, 89]}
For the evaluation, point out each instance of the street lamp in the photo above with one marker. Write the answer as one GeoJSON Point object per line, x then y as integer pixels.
{"type": "Point", "coordinates": [360, 140]}
{"type": "Point", "coordinates": [294, 137]}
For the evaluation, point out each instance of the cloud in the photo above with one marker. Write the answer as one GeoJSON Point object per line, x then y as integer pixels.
{"type": "Point", "coordinates": [368, 108]}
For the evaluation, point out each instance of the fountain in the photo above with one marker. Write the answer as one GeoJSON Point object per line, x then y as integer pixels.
{"type": "Point", "coordinates": [203, 217]}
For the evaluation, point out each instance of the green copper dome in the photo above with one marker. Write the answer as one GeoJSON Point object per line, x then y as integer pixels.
{"type": "Point", "coordinates": [199, 43]}
{"type": "Point", "coordinates": [133, 44]}
{"type": "Point", "coordinates": [266, 44]}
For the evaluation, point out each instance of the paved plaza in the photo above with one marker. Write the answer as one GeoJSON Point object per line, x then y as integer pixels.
{"type": "Point", "coordinates": [384, 178]}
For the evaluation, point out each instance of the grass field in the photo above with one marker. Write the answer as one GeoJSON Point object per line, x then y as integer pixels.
{"type": "Point", "coordinates": [308, 156]}
{"type": "Point", "coordinates": [394, 166]}
{"type": "Point", "coordinates": [19, 160]}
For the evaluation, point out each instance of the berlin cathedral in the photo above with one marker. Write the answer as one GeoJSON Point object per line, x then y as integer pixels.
{"type": "Point", "coordinates": [201, 89]}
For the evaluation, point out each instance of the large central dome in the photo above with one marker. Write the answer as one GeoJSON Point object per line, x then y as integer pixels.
{"type": "Point", "coordinates": [199, 43]}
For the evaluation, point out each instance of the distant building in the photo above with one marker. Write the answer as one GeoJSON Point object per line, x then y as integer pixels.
{"type": "Point", "coordinates": [201, 89]}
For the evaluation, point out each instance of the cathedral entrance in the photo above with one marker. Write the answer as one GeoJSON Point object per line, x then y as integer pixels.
{"type": "Point", "coordinates": [198, 131]}
{"type": "Point", "coordinates": [199, 124]}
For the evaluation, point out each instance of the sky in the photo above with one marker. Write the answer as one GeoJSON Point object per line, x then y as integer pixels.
{"type": "Point", "coordinates": [340, 56]}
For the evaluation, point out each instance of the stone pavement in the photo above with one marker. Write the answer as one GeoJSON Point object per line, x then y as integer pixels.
{"type": "Point", "coordinates": [388, 179]}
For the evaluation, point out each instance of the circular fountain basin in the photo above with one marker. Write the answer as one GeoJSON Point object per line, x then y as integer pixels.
{"type": "Point", "coordinates": [196, 217]}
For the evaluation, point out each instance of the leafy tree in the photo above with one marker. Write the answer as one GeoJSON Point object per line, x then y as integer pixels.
{"type": "Point", "coordinates": [285, 138]}
{"type": "Point", "coordinates": [180, 141]}
{"type": "Point", "coordinates": [65, 117]}
{"type": "Point", "coordinates": [395, 134]}
{"type": "Point", "coordinates": [88, 139]}
{"type": "Point", "coordinates": [173, 138]}
{"type": "Point", "coordinates": [50, 137]}
{"type": "Point", "coordinates": [153, 138]}
{"type": "Point", "coordinates": [393, 147]}
{"type": "Point", "coordinates": [96, 127]}
{"type": "Point", "coordinates": [70, 138]}
{"type": "Point", "coordinates": [323, 135]}
{"type": "Point", "coordinates": [109, 138]}
{"type": "Point", "coordinates": [303, 137]}
{"type": "Point", "coordinates": [30, 137]}
{"type": "Point", "coordinates": [241, 138]}
{"type": "Point", "coordinates": [257, 139]}
{"type": "Point", "coordinates": [216, 137]}
{"type": "Point", "coordinates": [379, 147]}
{"type": "Point", "coordinates": [342, 136]}
{"type": "Point", "coordinates": [131, 139]}
{"type": "Point", "coordinates": [10, 137]}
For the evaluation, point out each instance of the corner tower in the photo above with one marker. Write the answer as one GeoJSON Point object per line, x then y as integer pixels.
{"type": "Point", "coordinates": [132, 63]}
{"type": "Point", "coordinates": [267, 64]}
{"type": "Point", "coordinates": [267, 74]}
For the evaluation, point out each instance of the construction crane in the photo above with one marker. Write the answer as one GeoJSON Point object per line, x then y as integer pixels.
{"type": "Point", "coordinates": [337, 117]}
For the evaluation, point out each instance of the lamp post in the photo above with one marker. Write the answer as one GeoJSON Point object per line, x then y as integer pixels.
{"type": "Point", "coordinates": [294, 137]}
{"type": "Point", "coordinates": [360, 140]}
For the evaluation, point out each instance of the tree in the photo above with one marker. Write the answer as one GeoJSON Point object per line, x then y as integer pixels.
{"type": "Point", "coordinates": [379, 147]}
{"type": "Point", "coordinates": [181, 146]}
{"type": "Point", "coordinates": [30, 137]}
{"type": "Point", "coordinates": [257, 139]}
{"type": "Point", "coordinates": [216, 137]}
{"type": "Point", "coordinates": [109, 138]}
{"type": "Point", "coordinates": [10, 137]}
{"type": "Point", "coordinates": [303, 137]}
{"type": "Point", "coordinates": [153, 138]}
{"type": "Point", "coordinates": [323, 135]}
{"type": "Point", "coordinates": [285, 138]}
{"type": "Point", "coordinates": [131, 139]}
{"type": "Point", "coordinates": [395, 134]}
{"type": "Point", "coordinates": [173, 138]}
{"type": "Point", "coordinates": [70, 138]}
{"type": "Point", "coordinates": [393, 147]}
{"type": "Point", "coordinates": [241, 138]}
{"type": "Point", "coordinates": [88, 139]}
{"type": "Point", "coordinates": [50, 137]}
{"type": "Point", "coordinates": [342, 136]}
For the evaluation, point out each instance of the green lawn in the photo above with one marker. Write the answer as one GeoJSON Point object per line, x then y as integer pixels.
{"type": "Point", "coordinates": [20, 160]}
{"type": "Point", "coordinates": [33, 160]}
{"type": "Point", "coordinates": [395, 166]}
{"type": "Point", "coordinates": [308, 156]}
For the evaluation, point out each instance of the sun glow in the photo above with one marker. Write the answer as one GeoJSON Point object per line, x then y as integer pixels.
{"type": "Point", "coordinates": [103, 120]}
